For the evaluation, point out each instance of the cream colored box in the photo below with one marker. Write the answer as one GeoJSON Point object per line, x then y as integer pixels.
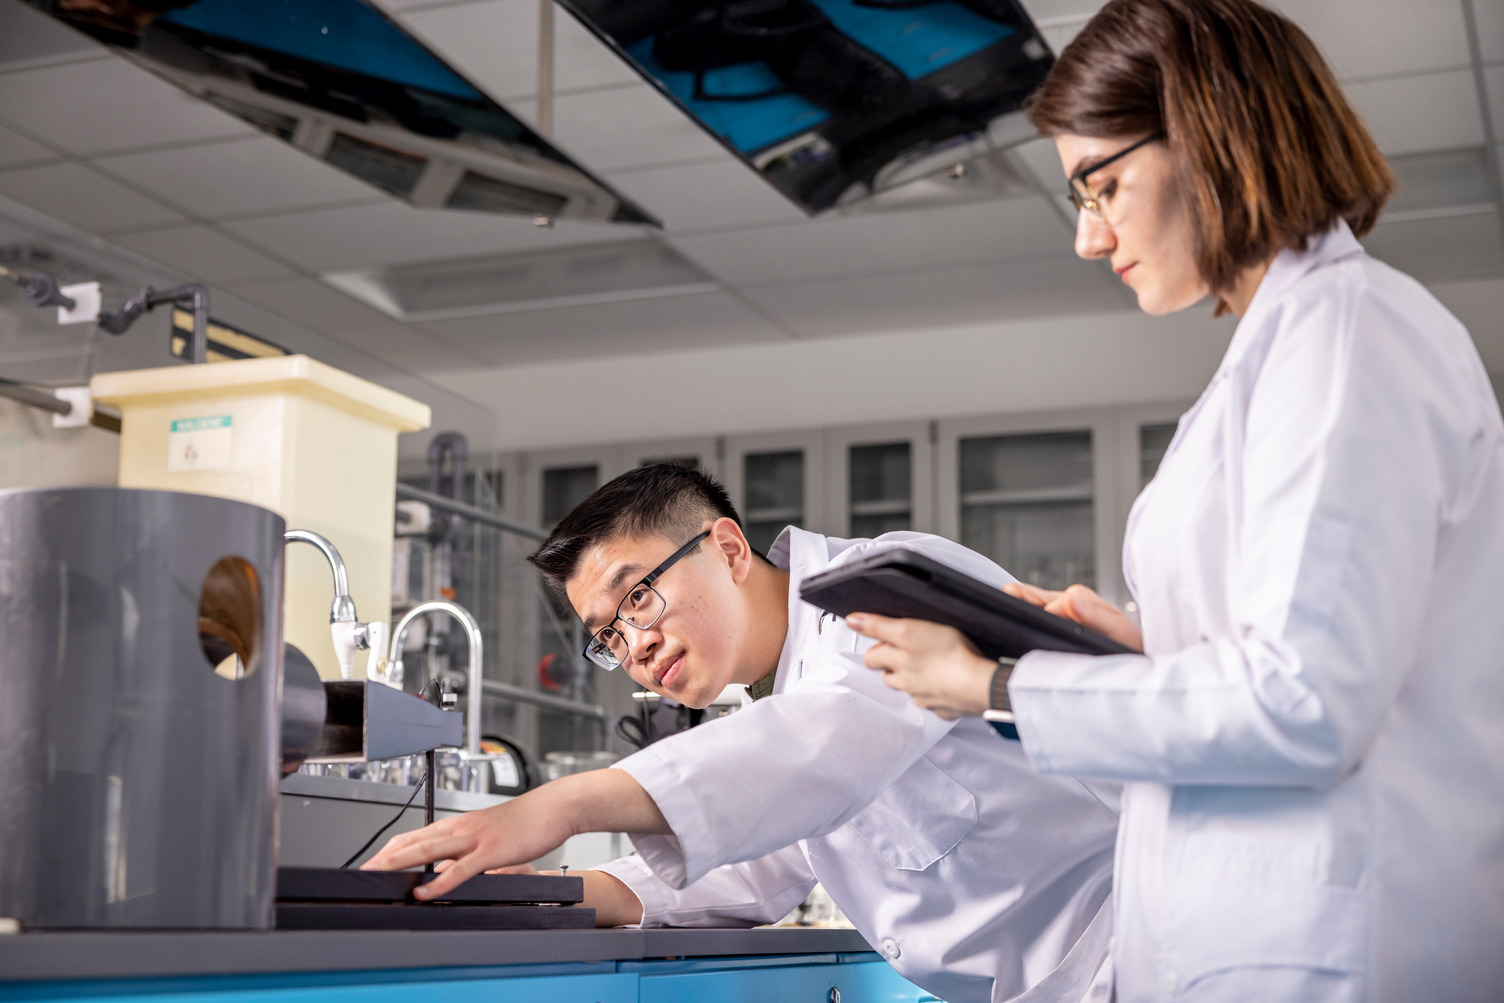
{"type": "Point", "coordinates": [311, 442]}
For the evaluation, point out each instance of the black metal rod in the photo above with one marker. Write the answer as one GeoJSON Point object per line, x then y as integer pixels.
{"type": "Point", "coordinates": [469, 512]}
{"type": "Point", "coordinates": [506, 691]}
{"type": "Point", "coordinates": [428, 789]}
{"type": "Point", "coordinates": [34, 397]}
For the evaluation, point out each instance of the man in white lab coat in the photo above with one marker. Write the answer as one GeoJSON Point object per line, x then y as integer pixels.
{"type": "Point", "coordinates": [978, 878]}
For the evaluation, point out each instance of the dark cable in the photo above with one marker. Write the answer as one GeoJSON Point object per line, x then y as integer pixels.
{"type": "Point", "coordinates": [356, 855]}
{"type": "Point", "coordinates": [421, 781]}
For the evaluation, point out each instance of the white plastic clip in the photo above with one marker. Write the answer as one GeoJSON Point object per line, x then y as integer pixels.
{"type": "Point", "coordinates": [87, 302]}
{"type": "Point", "coordinates": [83, 407]}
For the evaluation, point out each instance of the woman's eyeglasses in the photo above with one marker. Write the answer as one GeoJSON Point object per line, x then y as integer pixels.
{"type": "Point", "coordinates": [1083, 194]}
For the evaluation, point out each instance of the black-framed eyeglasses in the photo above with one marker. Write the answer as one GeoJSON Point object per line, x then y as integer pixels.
{"type": "Point", "coordinates": [641, 607]}
{"type": "Point", "coordinates": [1083, 194]}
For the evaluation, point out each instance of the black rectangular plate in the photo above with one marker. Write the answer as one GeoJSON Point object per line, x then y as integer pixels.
{"type": "Point", "coordinates": [384, 916]}
{"type": "Point", "coordinates": [328, 884]}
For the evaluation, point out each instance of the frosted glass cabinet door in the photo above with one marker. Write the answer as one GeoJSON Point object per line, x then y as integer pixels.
{"type": "Point", "coordinates": [566, 487]}
{"type": "Point", "coordinates": [880, 489]}
{"type": "Point", "coordinates": [881, 479]}
{"type": "Point", "coordinates": [1027, 502]}
{"type": "Point", "coordinates": [555, 481]}
{"type": "Point", "coordinates": [775, 481]}
{"type": "Point", "coordinates": [697, 453]}
{"type": "Point", "coordinates": [774, 489]}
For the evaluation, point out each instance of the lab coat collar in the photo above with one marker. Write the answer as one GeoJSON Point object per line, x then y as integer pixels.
{"type": "Point", "coordinates": [1290, 265]}
{"type": "Point", "coordinates": [1288, 268]}
{"type": "Point", "coordinates": [800, 553]}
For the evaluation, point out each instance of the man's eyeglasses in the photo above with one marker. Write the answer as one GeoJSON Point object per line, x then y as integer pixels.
{"type": "Point", "coordinates": [1083, 194]}
{"type": "Point", "coordinates": [641, 607]}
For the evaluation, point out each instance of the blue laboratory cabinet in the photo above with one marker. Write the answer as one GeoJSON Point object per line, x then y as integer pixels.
{"type": "Point", "coordinates": [613, 966]}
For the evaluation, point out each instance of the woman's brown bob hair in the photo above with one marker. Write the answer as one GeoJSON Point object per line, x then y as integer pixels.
{"type": "Point", "coordinates": [1268, 149]}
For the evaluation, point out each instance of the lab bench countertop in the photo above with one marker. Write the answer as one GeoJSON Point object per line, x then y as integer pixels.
{"type": "Point", "coordinates": [124, 954]}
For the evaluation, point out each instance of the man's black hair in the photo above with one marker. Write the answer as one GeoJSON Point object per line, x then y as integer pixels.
{"type": "Point", "coordinates": [671, 500]}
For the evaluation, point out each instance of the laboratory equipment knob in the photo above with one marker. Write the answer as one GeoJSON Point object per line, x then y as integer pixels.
{"type": "Point", "coordinates": [835, 995]}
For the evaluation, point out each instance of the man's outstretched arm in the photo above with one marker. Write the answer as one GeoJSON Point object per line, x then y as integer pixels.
{"type": "Point", "coordinates": [526, 828]}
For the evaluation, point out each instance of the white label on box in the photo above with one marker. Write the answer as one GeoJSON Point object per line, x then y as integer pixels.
{"type": "Point", "coordinates": [199, 443]}
{"type": "Point", "coordinates": [505, 772]}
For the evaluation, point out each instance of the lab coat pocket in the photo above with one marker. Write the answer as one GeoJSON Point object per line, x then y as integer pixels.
{"type": "Point", "coordinates": [919, 818]}
{"type": "Point", "coordinates": [1240, 904]}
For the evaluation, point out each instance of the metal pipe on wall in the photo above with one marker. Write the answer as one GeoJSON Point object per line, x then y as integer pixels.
{"type": "Point", "coordinates": [469, 512]}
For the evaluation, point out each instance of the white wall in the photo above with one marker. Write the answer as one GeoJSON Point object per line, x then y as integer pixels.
{"type": "Point", "coordinates": [1085, 361]}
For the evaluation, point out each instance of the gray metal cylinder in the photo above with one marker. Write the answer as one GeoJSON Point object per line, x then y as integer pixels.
{"type": "Point", "coordinates": [137, 786]}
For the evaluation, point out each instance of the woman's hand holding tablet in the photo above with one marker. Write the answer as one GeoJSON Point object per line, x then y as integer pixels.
{"type": "Point", "coordinates": [935, 665]}
{"type": "Point", "coordinates": [1084, 606]}
{"type": "Point", "coordinates": [949, 640]}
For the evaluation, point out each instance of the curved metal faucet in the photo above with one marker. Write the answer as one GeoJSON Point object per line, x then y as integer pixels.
{"type": "Point", "coordinates": [342, 609]}
{"type": "Point", "coordinates": [477, 648]}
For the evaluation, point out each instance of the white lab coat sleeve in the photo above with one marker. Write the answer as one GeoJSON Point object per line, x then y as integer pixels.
{"type": "Point", "coordinates": [1350, 450]}
{"type": "Point", "coordinates": [750, 893]}
{"type": "Point", "coordinates": [793, 766]}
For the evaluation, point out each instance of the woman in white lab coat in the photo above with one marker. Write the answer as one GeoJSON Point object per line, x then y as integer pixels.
{"type": "Point", "coordinates": [1314, 738]}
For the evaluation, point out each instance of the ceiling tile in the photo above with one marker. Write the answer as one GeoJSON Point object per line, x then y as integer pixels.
{"type": "Point", "coordinates": [254, 174]}
{"type": "Point", "coordinates": [495, 45]}
{"type": "Point", "coordinates": [1434, 111]}
{"type": "Point", "coordinates": [393, 232]}
{"type": "Point", "coordinates": [609, 329]}
{"type": "Point", "coordinates": [17, 149]}
{"type": "Point", "coordinates": [1041, 161]}
{"type": "Point", "coordinates": [1058, 36]}
{"type": "Point", "coordinates": [625, 127]}
{"type": "Point", "coordinates": [408, 347]}
{"type": "Point", "coordinates": [203, 254]}
{"type": "Point", "coordinates": [1441, 250]}
{"type": "Point", "coordinates": [1490, 15]}
{"type": "Point", "coordinates": [1061, 10]}
{"type": "Point", "coordinates": [881, 242]}
{"type": "Point", "coordinates": [1493, 77]}
{"type": "Point", "coordinates": [108, 104]}
{"type": "Point", "coordinates": [941, 298]}
{"type": "Point", "coordinates": [1373, 38]}
{"type": "Point", "coordinates": [233, 308]}
{"type": "Point", "coordinates": [77, 195]}
{"type": "Point", "coordinates": [696, 196]}
{"type": "Point", "coordinates": [312, 304]}
{"type": "Point", "coordinates": [29, 36]}
{"type": "Point", "coordinates": [582, 60]}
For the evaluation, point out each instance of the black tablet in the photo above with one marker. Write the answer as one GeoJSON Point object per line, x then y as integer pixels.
{"type": "Point", "coordinates": [903, 583]}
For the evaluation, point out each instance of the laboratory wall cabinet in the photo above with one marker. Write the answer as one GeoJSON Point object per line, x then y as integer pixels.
{"type": "Point", "coordinates": [1046, 495]}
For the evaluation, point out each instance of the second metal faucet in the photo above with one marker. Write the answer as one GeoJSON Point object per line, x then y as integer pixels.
{"type": "Point", "coordinates": [477, 650]}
